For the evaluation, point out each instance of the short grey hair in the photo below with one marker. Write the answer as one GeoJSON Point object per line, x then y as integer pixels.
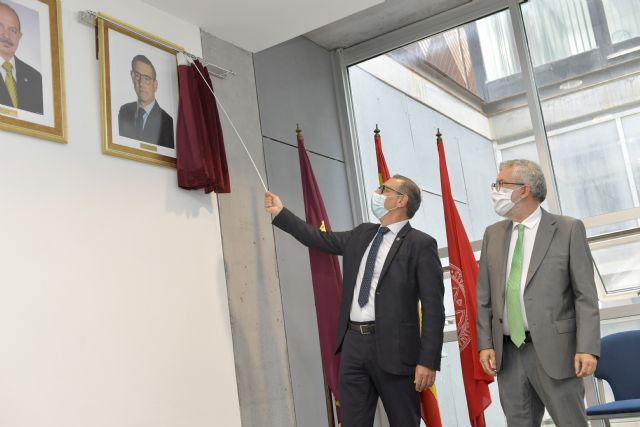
{"type": "Point", "coordinates": [412, 191]}
{"type": "Point", "coordinates": [528, 172]}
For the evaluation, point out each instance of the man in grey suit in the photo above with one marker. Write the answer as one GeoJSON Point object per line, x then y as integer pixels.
{"type": "Point", "coordinates": [538, 320]}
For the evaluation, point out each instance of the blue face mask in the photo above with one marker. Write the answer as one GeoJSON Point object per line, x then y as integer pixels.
{"type": "Point", "coordinates": [377, 205]}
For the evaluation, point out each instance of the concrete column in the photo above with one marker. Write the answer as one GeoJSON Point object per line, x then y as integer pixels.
{"type": "Point", "coordinates": [255, 304]}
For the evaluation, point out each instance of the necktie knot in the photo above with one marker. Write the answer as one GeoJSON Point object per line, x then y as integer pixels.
{"type": "Point", "coordinates": [383, 230]}
{"type": "Point", "coordinates": [7, 66]}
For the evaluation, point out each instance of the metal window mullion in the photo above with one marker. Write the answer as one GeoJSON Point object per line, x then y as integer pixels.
{"type": "Point", "coordinates": [348, 133]}
{"type": "Point", "coordinates": [535, 106]}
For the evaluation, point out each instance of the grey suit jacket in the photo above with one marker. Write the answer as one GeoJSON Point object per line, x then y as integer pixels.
{"type": "Point", "coordinates": [560, 295]}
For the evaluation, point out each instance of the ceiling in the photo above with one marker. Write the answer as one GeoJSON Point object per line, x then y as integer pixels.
{"type": "Point", "coordinates": [255, 25]}
{"type": "Point", "coordinates": [377, 20]}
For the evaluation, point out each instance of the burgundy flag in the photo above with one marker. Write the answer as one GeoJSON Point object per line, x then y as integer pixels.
{"type": "Point", "coordinates": [325, 273]}
{"type": "Point", "coordinates": [464, 273]}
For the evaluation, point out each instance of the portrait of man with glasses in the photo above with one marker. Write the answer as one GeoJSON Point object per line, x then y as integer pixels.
{"type": "Point", "coordinates": [144, 119]}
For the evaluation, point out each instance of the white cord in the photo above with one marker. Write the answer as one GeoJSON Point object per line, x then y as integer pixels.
{"type": "Point", "coordinates": [232, 125]}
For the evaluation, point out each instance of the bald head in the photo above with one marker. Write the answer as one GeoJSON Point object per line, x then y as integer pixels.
{"type": "Point", "coordinates": [10, 31]}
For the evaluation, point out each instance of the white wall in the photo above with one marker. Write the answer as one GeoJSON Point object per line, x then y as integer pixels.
{"type": "Point", "coordinates": [113, 302]}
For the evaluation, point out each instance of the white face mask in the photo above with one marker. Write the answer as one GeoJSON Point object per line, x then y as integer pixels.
{"type": "Point", "coordinates": [502, 203]}
{"type": "Point", "coordinates": [377, 205]}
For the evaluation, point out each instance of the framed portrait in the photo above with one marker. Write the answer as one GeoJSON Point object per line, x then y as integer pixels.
{"type": "Point", "coordinates": [32, 97]}
{"type": "Point", "coordinates": [139, 90]}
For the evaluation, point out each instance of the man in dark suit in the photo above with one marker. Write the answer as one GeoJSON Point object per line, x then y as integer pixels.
{"type": "Point", "coordinates": [21, 85]}
{"type": "Point", "coordinates": [387, 267]}
{"type": "Point", "coordinates": [538, 318]}
{"type": "Point", "coordinates": [143, 119]}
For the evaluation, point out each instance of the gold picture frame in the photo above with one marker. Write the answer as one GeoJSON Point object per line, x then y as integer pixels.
{"type": "Point", "coordinates": [34, 104]}
{"type": "Point", "coordinates": [139, 86]}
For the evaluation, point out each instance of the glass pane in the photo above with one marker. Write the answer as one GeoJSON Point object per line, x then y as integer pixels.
{"type": "Point", "coordinates": [631, 129]}
{"type": "Point", "coordinates": [451, 395]}
{"type": "Point", "coordinates": [443, 82]}
{"type": "Point", "coordinates": [558, 28]}
{"type": "Point", "coordinates": [623, 19]}
{"type": "Point", "coordinates": [619, 266]}
{"type": "Point", "coordinates": [587, 164]}
{"type": "Point", "coordinates": [590, 95]}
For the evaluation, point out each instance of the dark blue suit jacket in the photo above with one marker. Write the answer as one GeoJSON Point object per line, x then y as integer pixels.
{"type": "Point", "coordinates": [158, 130]}
{"type": "Point", "coordinates": [29, 87]}
{"type": "Point", "coordinates": [411, 272]}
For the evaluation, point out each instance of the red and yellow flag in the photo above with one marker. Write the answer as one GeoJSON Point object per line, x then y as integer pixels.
{"type": "Point", "coordinates": [428, 398]}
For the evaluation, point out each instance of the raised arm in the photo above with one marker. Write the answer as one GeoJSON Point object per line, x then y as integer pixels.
{"type": "Point", "coordinates": [284, 219]}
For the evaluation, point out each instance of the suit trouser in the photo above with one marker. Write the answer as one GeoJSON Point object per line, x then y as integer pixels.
{"type": "Point", "coordinates": [362, 381]}
{"type": "Point", "coordinates": [526, 389]}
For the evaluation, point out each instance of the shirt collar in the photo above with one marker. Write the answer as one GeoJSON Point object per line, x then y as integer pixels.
{"type": "Point", "coordinates": [532, 220]}
{"type": "Point", "coordinates": [397, 226]}
{"type": "Point", "coordinates": [12, 61]}
{"type": "Point", "coordinates": [148, 108]}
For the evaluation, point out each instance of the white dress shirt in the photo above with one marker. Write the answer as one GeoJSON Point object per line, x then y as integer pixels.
{"type": "Point", "coordinates": [368, 312]}
{"type": "Point", "coordinates": [12, 61]}
{"type": "Point", "coordinates": [531, 224]}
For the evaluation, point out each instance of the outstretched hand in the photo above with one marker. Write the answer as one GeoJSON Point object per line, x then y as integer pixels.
{"type": "Point", "coordinates": [272, 203]}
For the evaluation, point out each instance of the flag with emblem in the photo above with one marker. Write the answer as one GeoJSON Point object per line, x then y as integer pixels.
{"type": "Point", "coordinates": [429, 398]}
{"type": "Point", "coordinates": [325, 273]}
{"type": "Point", "coordinates": [464, 273]}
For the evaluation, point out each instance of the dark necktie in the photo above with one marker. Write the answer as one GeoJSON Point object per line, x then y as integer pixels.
{"type": "Point", "coordinates": [363, 297]}
{"type": "Point", "coordinates": [140, 120]}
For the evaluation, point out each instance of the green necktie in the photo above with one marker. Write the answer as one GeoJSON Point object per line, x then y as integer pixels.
{"type": "Point", "coordinates": [10, 83]}
{"type": "Point", "coordinates": [514, 311]}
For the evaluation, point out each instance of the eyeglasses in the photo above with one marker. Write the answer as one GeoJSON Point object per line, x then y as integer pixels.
{"type": "Point", "coordinates": [383, 187]}
{"type": "Point", "coordinates": [499, 184]}
{"type": "Point", "coordinates": [143, 78]}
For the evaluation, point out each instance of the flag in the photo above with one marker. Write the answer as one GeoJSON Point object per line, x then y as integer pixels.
{"type": "Point", "coordinates": [383, 171]}
{"type": "Point", "coordinates": [325, 273]}
{"type": "Point", "coordinates": [464, 273]}
{"type": "Point", "coordinates": [429, 398]}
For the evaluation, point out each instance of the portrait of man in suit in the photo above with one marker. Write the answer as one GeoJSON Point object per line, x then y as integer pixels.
{"type": "Point", "coordinates": [387, 268]}
{"type": "Point", "coordinates": [21, 85]}
{"type": "Point", "coordinates": [538, 319]}
{"type": "Point", "coordinates": [144, 119]}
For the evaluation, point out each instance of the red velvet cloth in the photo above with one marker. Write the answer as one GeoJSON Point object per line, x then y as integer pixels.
{"type": "Point", "coordinates": [200, 154]}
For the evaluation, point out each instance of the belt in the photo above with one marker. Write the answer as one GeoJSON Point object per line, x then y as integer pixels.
{"type": "Point", "coordinates": [364, 328]}
{"type": "Point", "coordinates": [527, 337]}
